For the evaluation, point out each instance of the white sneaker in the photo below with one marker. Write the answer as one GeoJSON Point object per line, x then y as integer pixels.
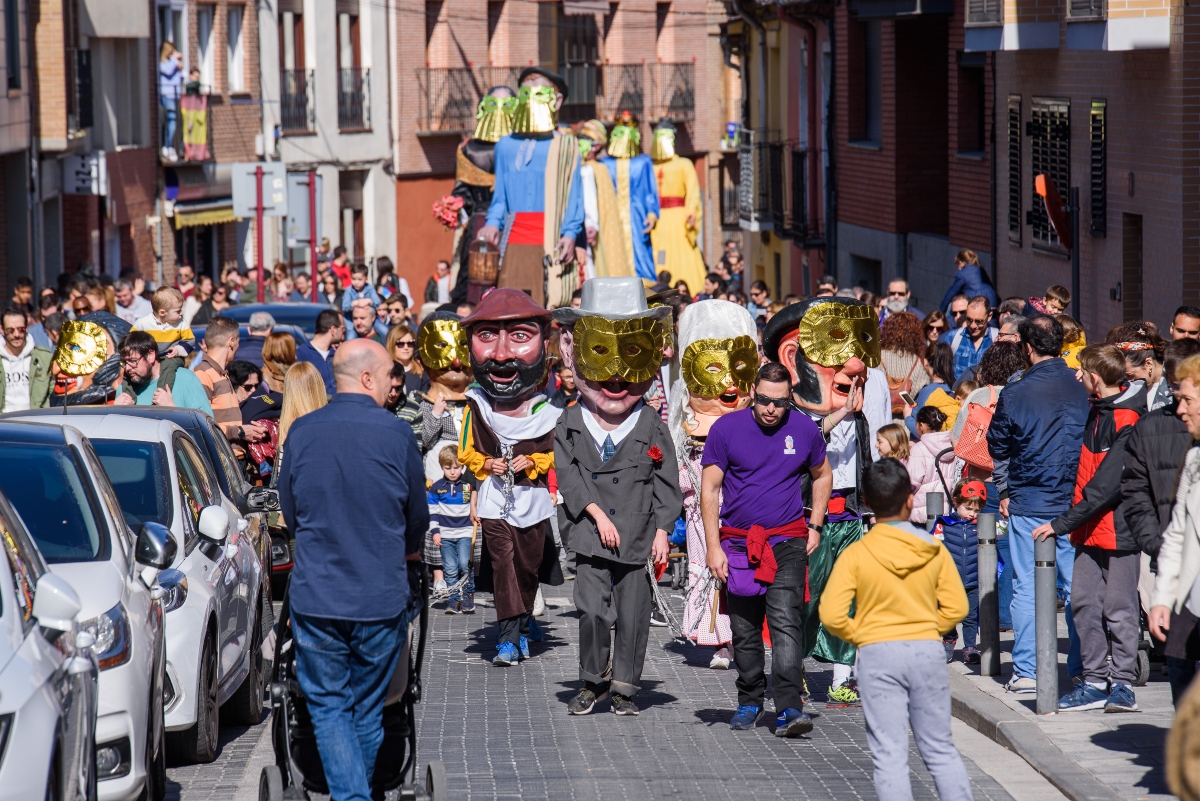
{"type": "Point", "coordinates": [1021, 684]}
{"type": "Point", "coordinates": [166, 152]}
{"type": "Point", "coordinates": [172, 155]}
{"type": "Point", "coordinates": [440, 585]}
{"type": "Point", "coordinates": [720, 660]}
{"type": "Point", "coordinates": [539, 604]}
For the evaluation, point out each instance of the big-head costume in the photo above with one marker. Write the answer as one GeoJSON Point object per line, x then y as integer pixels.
{"type": "Point", "coordinates": [675, 237]}
{"type": "Point", "coordinates": [615, 461]}
{"type": "Point", "coordinates": [507, 418]}
{"type": "Point", "coordinates": [827, 344]}
{"type": "Point", "coordinates": [538, 198]}
{"type": "Point", "coordinates": [632, 175]}
{"type": "Point", "coordinates": [719, 361]}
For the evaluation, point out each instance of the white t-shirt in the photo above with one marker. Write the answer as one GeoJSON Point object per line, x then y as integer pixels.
{"type": "Point", "coordinates": [138, 309]}
{"type": "Point", "coordinates": [16, 377]}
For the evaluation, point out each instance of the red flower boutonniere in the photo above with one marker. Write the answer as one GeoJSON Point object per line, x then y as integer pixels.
{"type": "Point", "coordinates": [655, 454]}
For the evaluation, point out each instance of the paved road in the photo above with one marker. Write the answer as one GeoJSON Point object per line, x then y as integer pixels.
{"type": "Point", "coordinates": [503, 733]}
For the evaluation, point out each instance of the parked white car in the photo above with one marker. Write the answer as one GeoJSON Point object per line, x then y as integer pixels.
{"type": "Point", "coordinates": [213, 598]}
{"type": "Point", "coordinates": [55, 482]}
{"type": "Point", "coordinates": [47, 677]}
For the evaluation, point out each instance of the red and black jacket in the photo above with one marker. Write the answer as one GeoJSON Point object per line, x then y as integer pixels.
{"type": "Point", "coordinates": [1090, 520]}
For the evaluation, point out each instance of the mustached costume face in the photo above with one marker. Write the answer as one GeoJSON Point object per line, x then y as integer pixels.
{"type": "Point", "coordinates": [719, 360]}
{"type": "Point", "coordinates": [614, 344]}
{"type": "Point", "coordinates": [825, 343]}
{"type": "Point", "coordinates": [507, 346]}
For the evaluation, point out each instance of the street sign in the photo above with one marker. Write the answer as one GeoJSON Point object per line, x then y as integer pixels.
{"type": "Point", "coordinates": [85, 174]}
{"type": "Point", "coordinates": [245, 189]}
{"type": "Point", "coordinates": [299, 215]}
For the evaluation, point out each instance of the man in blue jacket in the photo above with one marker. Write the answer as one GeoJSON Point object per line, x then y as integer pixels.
{"type": "Point", "coordinates": [1038, 427]}
{"type": "Point", "coordinates": [330, 331]}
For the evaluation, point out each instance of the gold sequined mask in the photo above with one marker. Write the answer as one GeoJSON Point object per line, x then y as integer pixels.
{"type": "Point", "coordinates": [535, 112]}
{"type": "Point", "coordinates": [440, 342]}
{"type": "Point", "coordinates": [831, 333]}
{"type": "Point", "coordinates": [630, 349]}
{"type": "Point", "coordinates": [493, 119]}
{"type": "Point", "coordinates": [81, 348]}
{"type": "Point", "coordinates": [624, 142]}
{"type": "Point", "coordinates": [663, 146]}
{"type": "Point", "coordinates": [712, 366]}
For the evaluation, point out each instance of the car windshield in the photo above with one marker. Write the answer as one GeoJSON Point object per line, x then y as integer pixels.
{"type": "Point", "coordinates": [138, 472]}
{"type": "Point", "coordinates": [50, 494]}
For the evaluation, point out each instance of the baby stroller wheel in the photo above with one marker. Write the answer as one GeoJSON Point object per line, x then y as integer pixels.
{"type": "Point", "coordinates": [435, 781]}
{"type": "Point", "coordinates": [1142, 674]}
{"type": "Point", "coordinates": [270, 784]}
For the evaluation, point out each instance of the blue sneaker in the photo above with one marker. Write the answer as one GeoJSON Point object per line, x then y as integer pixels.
{"type": "Point", "coordinates": [1083, 696]}
{"type": "Point", "coordinates": [535, 631]}
{"type": "Point", "coordinates": [507, 655]}
{"type": "Point", "coordinates": [1121, 699]}
{"type": "Point", "coordinates": [745, 718]}
{"type": "Point", "coordinates": [792, 723]}
{"type": "Point", "coordinates": [524, 648]}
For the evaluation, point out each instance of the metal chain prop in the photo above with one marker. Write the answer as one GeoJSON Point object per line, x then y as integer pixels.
{"type": "Point", "coordinates": [509, 478]}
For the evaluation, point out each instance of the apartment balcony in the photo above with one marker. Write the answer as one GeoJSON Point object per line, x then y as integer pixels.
{"type": "Point", "coordinates": [354, 100]}
{"type": "Point", "coordinates": [777, 190]}
{"type": "Point", "coordinates": [448, 99]}
{"type": "Point", "coordinates": [620, 87]}
{"type": "Point", "coordinates": [79, 91]}
{"type": "Point", "coordinates": [672, 91]}
{"type": "Point", "coordinates": [192, 142]}
{"type": "Point", "coordinates": [583, 82]}
{"type": "Point", "coordinates": [297, 102]}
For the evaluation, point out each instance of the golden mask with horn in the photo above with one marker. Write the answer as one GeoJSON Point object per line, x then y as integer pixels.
{"type": "Point", "coordinates": [81, 348]}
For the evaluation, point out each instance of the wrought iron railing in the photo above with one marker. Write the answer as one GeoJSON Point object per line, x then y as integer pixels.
{"type": "Point", "coordinates": [354, 99]}
{"type": "Point", "coordinates": [621, 88]}
{"type": "Point", "coordinates": [498, 76]}
{"type": "Point", "coordinates": [753, 209]}
{"type": "Point", "coordinates": [583, 80]}
{"type": "Point", "coordinates": [776, 190]}
{"type": "Point", "coordinates": [672, 91]}
{"type": "Point", "coordinates": [297, 102]}
{"type": "Point", "coordinates": [448, 97]}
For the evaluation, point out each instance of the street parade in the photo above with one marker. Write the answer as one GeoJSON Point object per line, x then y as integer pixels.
{"type": "Point", "coordinates": [627, 502]}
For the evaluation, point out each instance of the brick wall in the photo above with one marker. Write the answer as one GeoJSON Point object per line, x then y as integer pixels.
{"type": "Point", "coordinates": [51, 70]}
{"type": "Point", "coordinates": [921, 116]}
{"type": "Point", "coordinates": [969, 179]}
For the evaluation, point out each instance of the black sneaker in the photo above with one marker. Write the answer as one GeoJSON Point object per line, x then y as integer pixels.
{"type": "Point", "coordinates": [585, 701]}
{"type": "Point", "coordinates": [623, 706]}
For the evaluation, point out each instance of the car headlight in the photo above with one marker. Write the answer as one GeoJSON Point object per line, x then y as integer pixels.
{"type": "Point", "coordinates": [175, 589]}
{"type": "Point", "coordinates": [113, 645]}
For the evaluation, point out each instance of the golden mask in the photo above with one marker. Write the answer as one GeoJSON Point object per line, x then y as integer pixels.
{"type": "Point", "coordinates": [535, 112]}
{"type": "Point", "coordinates": [831, 333]}
{"type": "Point", "coordinates": [624, 142]}
{"type": "Point", "coordinates": [493, 118]}
{"type": "Point", "coordinates": [630, 349]}
{"type": "Point", "coordinates": [711, 366]}
{"type": "Point", "coordinates": [81, 348]}
{"type": "Point", "coordinates": [663, 146]}
{"type": "Point", "coordinates": [440, 342]}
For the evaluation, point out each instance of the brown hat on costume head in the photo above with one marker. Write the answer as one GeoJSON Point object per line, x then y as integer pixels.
{"type": "Point", "coordinates": [506, 304]}
{"type": "Point", "coordinates": [560, 83]}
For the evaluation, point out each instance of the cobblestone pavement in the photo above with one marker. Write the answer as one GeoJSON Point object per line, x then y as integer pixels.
{"type": "Point", "coordinates": [503, 733]}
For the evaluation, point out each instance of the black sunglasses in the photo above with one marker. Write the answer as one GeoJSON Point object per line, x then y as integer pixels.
{"type": "Point", "coordinates": [763, 400]}
{"type": "Point", "coordinates": [248, 387]}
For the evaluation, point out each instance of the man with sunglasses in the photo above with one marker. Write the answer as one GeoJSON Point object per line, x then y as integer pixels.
{"type": "Point", "coordinates": [25, 378]}
{"type": "Point", "coordinates": [899, 299]}
{"type": "Point", "coordinates": [977, 335]}
{"type": "Point", "coordinates": [755, 462]}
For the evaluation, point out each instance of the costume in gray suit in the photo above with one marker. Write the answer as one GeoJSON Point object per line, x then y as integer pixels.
{"type": "Point", "coordinates": [640, 494]}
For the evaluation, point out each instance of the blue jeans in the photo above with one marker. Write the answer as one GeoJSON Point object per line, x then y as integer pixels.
{"type": "Point", "coordinates": [456, 559]}
{"type": "Point", "coordinates": [344, 668]}
{"type": "Point", "coordinates": [1004, 584]}
{"type": "Point", "coordinates": [1024, 652]}
{"type": "Point", "coordinates": [170, 107]}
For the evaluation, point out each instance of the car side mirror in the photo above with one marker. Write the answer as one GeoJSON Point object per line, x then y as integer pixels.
{"type": "Point", "coordinates": [263, 499]}
{"type": "Point", "coordinates": [156, 547]}
{"type": "Point", "coordinates": [214, 524]}
{"type": "Point", "coordinates": [55, 604]}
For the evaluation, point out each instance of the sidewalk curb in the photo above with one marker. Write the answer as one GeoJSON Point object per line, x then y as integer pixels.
{"type": "Point", "coordinates": [993, 719]}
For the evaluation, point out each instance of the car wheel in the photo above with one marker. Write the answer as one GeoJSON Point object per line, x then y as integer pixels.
{"type": "Point", "coordinates": [246, 704]}
{"type": "Point", "coordinates": [199, 743]}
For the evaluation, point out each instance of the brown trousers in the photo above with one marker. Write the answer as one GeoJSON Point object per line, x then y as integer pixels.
{"type": "Point", "coordinates": [523, 269]}
{"type": "Point", "coordinates": [516, 555]}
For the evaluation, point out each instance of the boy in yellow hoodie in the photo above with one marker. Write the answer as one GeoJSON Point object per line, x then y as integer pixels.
{"type": "Point", "coordinates": [906, 593]}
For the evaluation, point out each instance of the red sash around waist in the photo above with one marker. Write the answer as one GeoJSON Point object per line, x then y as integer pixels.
{"type": "Point", "coordinates": [758, 549]}
{"type": "Point", "coordinates": [527, 228]}
{"type": "Point", "coordinates": [670, 202]}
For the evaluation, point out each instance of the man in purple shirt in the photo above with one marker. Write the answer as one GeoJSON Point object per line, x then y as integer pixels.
{"type": "Point", "coordinates": [758, 539]}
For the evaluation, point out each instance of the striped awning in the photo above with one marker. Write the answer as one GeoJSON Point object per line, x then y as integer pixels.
{"type": "Point", "coordinates": [210, 213]}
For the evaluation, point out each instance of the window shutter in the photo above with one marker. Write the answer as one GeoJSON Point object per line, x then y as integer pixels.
{"type": "Point", "coordinates": [984, 12]}
{"type": "Point", "coordinates": [1098, 174]}
{"type": "Point", "coordinates": [1014, 169]}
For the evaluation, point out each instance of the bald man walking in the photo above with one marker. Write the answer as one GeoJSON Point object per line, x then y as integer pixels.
{"type": "Point", "coordinates": [353, 488]}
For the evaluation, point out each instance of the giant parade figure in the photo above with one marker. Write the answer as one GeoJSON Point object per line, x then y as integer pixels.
{"type": "Point", "coordinates": [508, 444]}
{"type": "Point", "coordinates": [632, 175]}
{"type": "Point", "coordinates": [536, 214]}
{"type": "Point", "coordinates": [675, 237]}
{"type": "Point", "coordinates": [719, 362]}
{"type": "Point", "coordinates": [827, 344]}
{"type": "Point", "coordinates": [608, 250]}
{"type": "Point", "coordinates": [618, 479]}
{"type": "Point", "coordinates": [474, 177]}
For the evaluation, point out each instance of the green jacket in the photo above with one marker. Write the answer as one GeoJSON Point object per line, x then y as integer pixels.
{"type": "Point", "coordinates": [40, 380]}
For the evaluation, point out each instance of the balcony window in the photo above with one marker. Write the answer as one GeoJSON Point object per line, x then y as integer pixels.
{"type": "Point", "coordinates": [12, 44]}
{"type": "Point", "coordinates": [235, 51]}
{"type": "Point", "coordinates": [296, 102]}
{"type": "Point", "coordinates": [672, 91]}
{"type": "Point", "coordinates": [872, 97]}
{"type": "Point", "coordinates": [204, 44]}
{"type": "Point", "coordinates": [1049, 132]}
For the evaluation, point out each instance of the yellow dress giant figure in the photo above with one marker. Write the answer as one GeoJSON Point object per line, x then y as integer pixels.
{"type": "Point", "coordinates": [675, 237]}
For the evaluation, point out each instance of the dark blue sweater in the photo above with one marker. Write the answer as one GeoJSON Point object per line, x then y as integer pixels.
{"type": "Point", "coordinates": [961, 538]}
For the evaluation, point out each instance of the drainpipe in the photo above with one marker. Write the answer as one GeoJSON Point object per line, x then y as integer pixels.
{"type": "Point", "coordinates": [831, 251]}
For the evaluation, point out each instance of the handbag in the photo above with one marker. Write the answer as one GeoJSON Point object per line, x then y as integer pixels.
{"type": "Point", "coordinates": [898, 385]}
{"type": "Point", "coordinates": [972, 445]}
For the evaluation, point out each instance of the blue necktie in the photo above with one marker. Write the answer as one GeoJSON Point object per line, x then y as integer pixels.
{"type": "Point", "coordinates": [608, 449]}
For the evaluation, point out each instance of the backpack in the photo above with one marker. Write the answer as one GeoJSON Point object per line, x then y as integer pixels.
{"type": "Point", "coordinates": [898, 385]}
{"type": "Point", "coordinates": [972, 446]}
